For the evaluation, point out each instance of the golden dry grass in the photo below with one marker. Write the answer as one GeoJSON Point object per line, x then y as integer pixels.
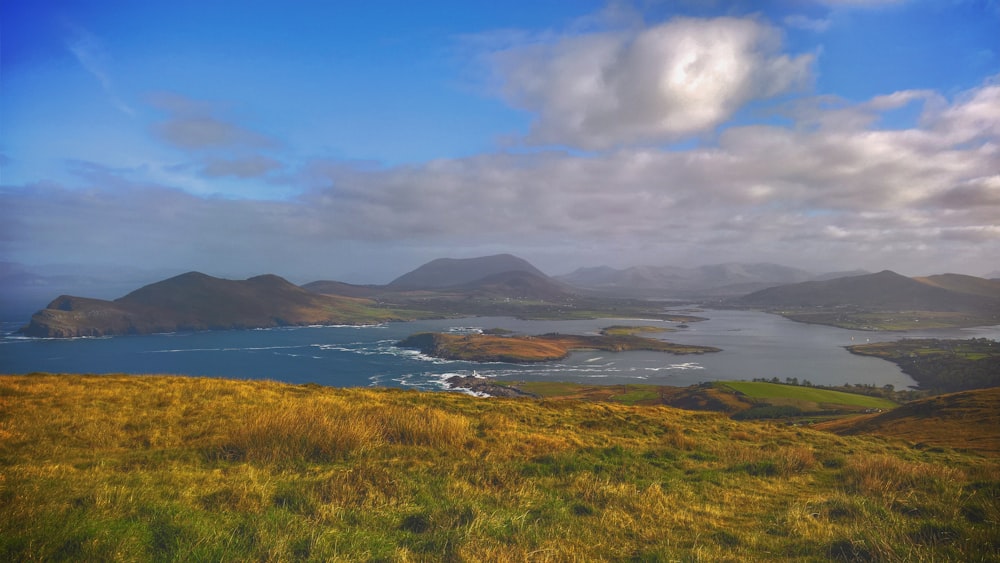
{"type": "Point", "coordinates": [968, 420]}
{"type": "Point", "coordinates": [167, 468]}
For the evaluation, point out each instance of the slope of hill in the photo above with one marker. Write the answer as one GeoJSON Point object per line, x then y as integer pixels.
{"type": "Point", "coordinates": [195, 301]}
{"type": "Point", "coordinates": [125, 468]}
{"type": "Point", "coordinates": [967, 419]}
{"type": "Point", "coordinates": [450, 272]}
{"type": "Point", "coordinates": [712, 280]}
{"type": "Point", "coordinates": [518, 284]}
{"type": "Point", "coordinates": [886, 301]}
{"type": "Point", "coordinates": [964, 284]}
{"type": "Point", "coordinates": [885, 290]}
{"type": "Point", "coordinates": [329, 287]}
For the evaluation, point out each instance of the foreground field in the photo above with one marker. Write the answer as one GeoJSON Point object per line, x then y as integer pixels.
{"type": "Point", "coordinates": [163, 468]}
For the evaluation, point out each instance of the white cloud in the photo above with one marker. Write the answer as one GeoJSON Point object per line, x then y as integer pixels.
{"type": "Point", "coordinates": [829, 197]}
{"type": "Point", "coordinates": [677, 79]}
{"type": "Point", "coordinates": [89, 52]}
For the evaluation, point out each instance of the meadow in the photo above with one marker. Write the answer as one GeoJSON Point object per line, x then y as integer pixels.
{"type": "Point", "coordinates": [176, 469]}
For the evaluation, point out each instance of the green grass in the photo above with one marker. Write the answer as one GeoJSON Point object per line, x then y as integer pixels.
{"type": "Point", "coordinates": [180, 469]}
{"type": "Point", "coordinates": [761, 390]}
{"type": "Point", "coordinates": [637, 393]}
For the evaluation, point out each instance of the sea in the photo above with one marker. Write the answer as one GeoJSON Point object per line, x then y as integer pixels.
{"type": "Point", "coordinates": [754, 344]}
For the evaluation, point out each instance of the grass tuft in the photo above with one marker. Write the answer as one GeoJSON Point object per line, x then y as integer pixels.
{"type": "Point", "coordinates": [884, 474]}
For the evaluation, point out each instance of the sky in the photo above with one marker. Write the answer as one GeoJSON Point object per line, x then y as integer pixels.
{"type": "Point", "coordinates": [358, 140]}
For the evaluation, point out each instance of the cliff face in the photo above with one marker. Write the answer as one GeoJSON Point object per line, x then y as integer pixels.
{"type": "Point", "coordinates": [69, 317]}
{"type": "Point", "coordinates": [196, 301]}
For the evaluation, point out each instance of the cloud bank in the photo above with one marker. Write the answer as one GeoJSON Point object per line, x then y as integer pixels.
{"type": "Point", "coordinates": [806, 180]}
{"type": "Point", "coordinates": [680, 78]}
{"type": "Point", "coordinates": [922, 199]}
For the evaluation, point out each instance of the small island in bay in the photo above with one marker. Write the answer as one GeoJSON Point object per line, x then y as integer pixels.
{"type": "Point", "coordinates": [542, 348]}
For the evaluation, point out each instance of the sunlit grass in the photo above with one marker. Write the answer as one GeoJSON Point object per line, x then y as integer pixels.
{"type": "Point", "coordinates": [763, 390]}
{"type": "Point", "coordinates": [140, 468]}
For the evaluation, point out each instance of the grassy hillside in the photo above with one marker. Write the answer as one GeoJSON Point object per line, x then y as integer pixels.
{"type": "Point", "coordinates": [968, 419]}
{"type": "Point", "coordinates": [802, 394]}
{"type": "Point", "coordinates": [144, 468]}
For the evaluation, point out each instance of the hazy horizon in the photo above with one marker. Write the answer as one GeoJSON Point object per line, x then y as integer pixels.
{"type": "Point", "coordinates": [356, 142]}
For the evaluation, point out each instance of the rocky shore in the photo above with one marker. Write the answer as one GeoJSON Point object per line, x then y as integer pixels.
{"type": "Point", "coordinates": [487, 386]}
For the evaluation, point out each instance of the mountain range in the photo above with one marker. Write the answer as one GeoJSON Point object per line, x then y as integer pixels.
{"type": "Point", "coordinates": [502, 285]}
{"type": "Point", "coordinates": [716, 280]}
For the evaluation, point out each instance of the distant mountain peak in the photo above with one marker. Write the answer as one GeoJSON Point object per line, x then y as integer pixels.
{"type": "Point", "coordinates": [450, 272]}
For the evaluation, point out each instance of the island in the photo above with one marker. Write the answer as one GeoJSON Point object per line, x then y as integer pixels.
{"type": "Point", "coordinates": [542, 348]}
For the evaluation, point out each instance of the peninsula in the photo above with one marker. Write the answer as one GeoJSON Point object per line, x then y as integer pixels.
{"type": "Point", "coordinates": [195, 301]}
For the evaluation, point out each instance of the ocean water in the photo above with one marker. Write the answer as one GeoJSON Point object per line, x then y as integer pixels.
{"type": "Point", "coordinates": [754, 345]}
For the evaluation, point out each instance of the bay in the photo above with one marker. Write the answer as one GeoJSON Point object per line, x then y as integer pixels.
{"type": "Point", "coordinates": [754, 345]}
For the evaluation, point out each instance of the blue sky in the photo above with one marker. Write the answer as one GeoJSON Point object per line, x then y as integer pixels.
{"type": "Point", "coordinates": [356, 140]}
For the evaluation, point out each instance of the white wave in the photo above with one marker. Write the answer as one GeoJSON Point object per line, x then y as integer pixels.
{"type": "Point", "coordinates": [684, 366]}
{"type": "Point", "coordinates": [594, 359]}
{"type": "Point", "coordinates": [303, 327]}
{"type": "Point", "coordinates": [11, 339]}
{"type": "Point", "coordinates": [45, 338]}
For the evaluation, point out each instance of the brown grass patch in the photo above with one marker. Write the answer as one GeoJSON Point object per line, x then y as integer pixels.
{"type": "Point", "coordinates": [882, 474]}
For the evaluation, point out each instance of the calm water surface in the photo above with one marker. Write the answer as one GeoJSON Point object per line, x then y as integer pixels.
{"type": "Point", "coordinates": [754, 345]}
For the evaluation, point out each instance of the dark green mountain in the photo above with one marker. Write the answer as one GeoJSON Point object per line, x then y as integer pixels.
{"type": "Point", "coordinates": [195, 301]}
